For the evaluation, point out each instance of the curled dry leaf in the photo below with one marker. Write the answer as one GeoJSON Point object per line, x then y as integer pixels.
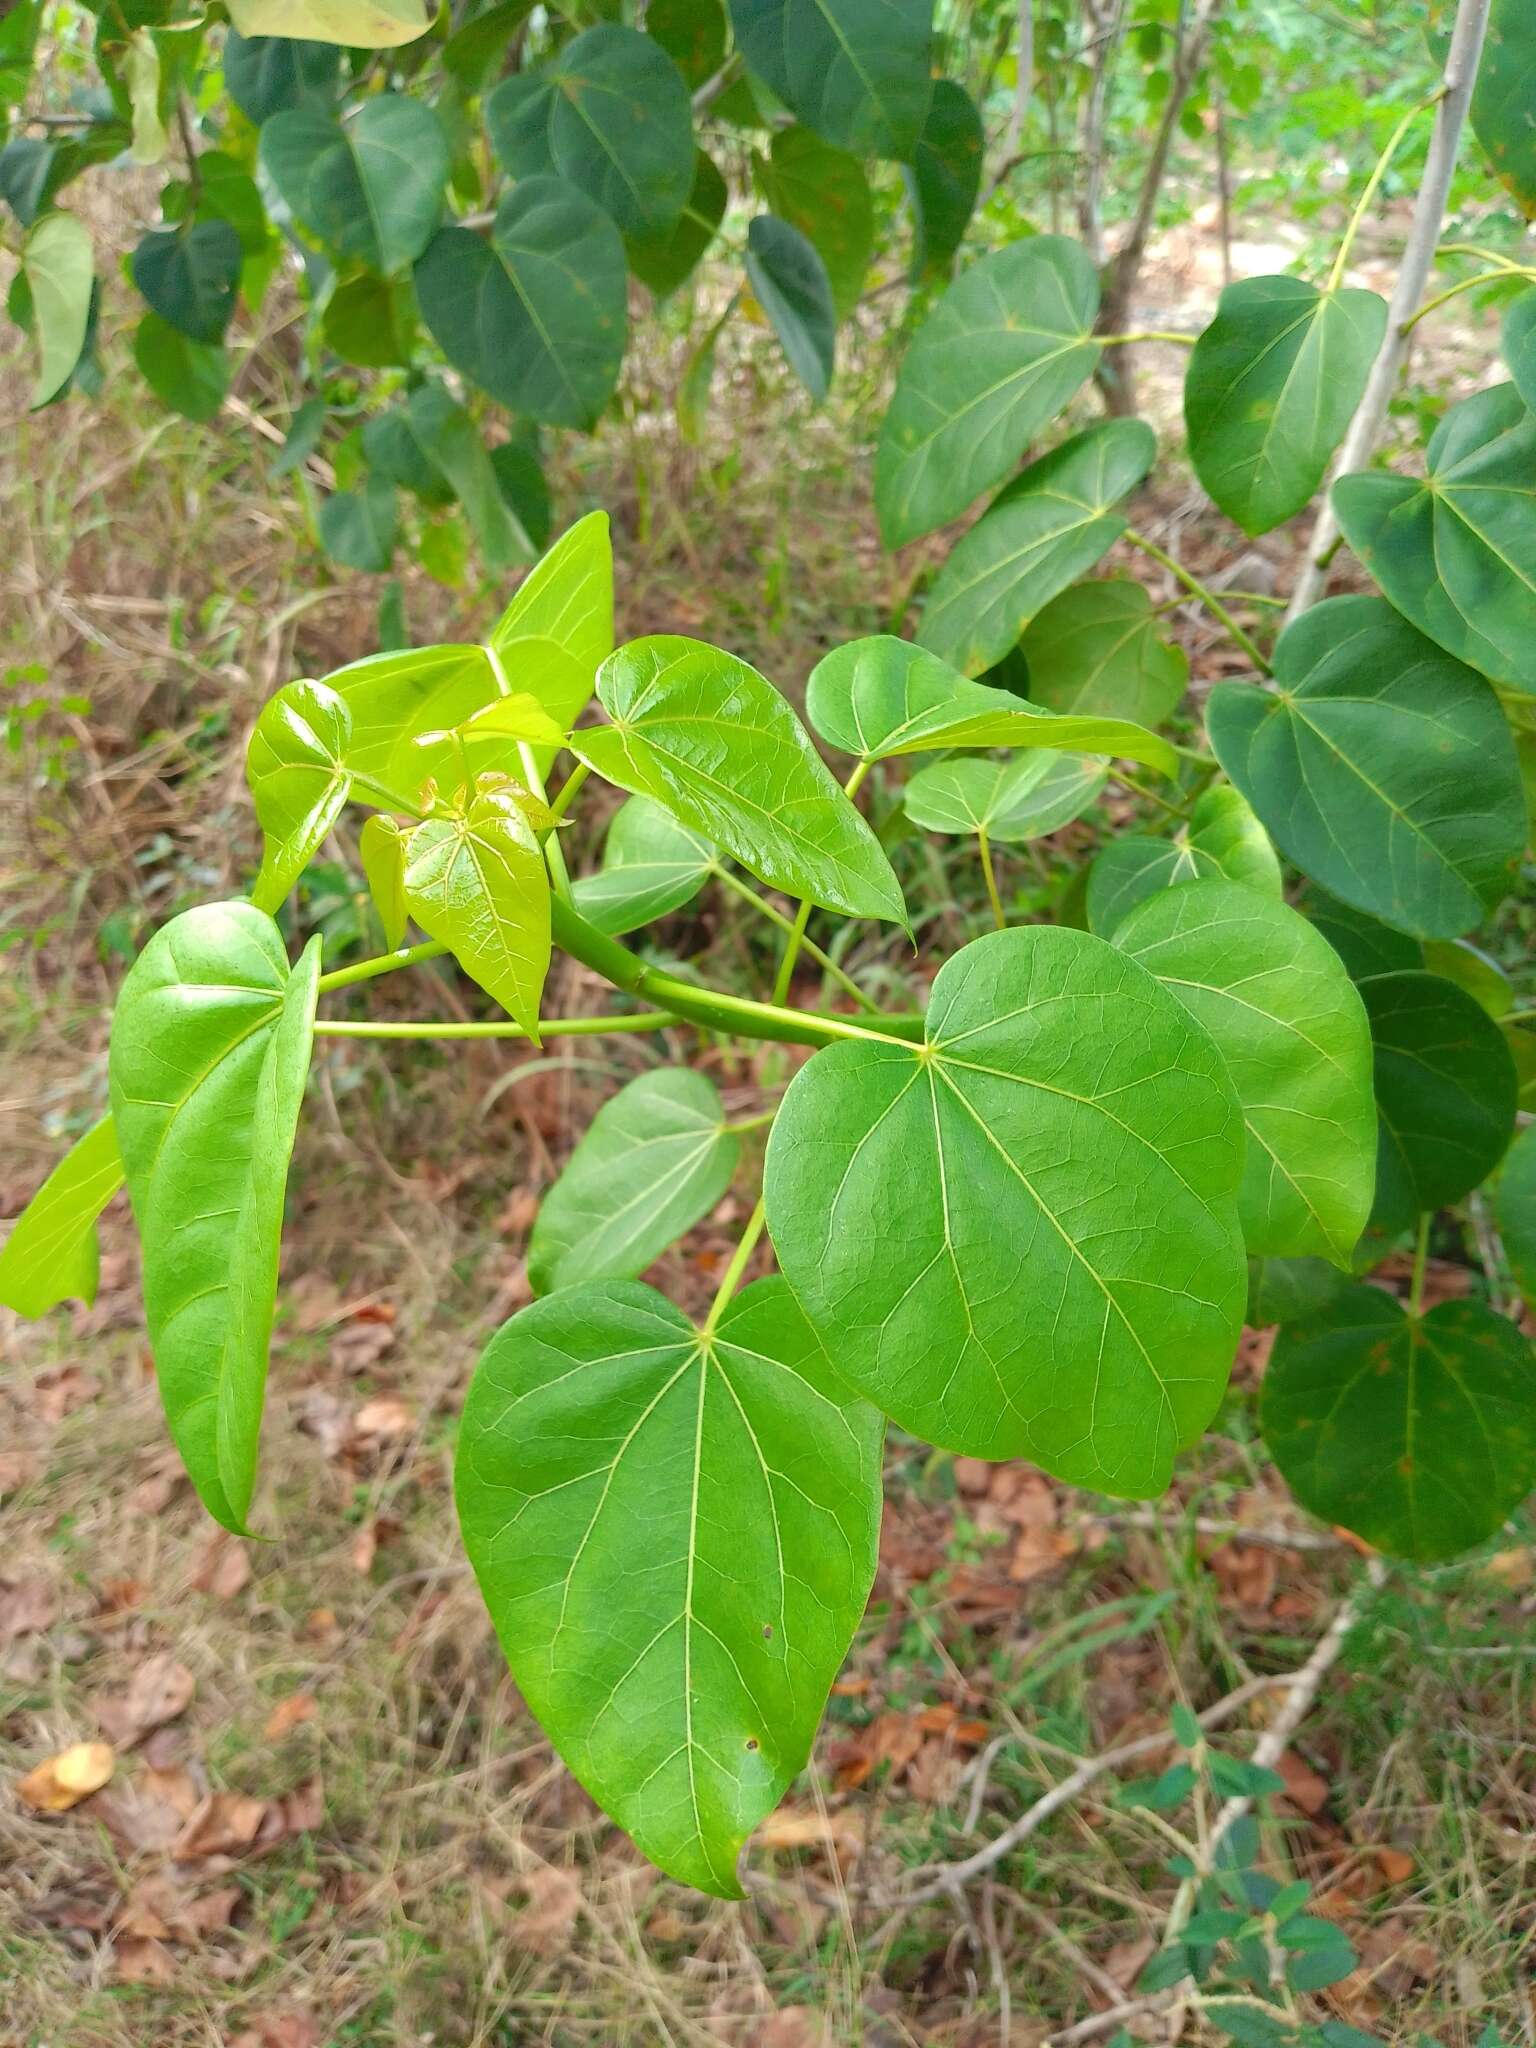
{"type": "Point", "coordinates": [159, 1691]}
{"type": "Point", "coordinates": [27, 1607]}
{"type": "Point", "coordinates": [221, 1824]}
{"type": "Point", "coordinates": [137, 1960]}
{"type": "Point", "coordinates": [546, 1923]}
{"type": "Point", "coordinates": [224, 1568]}
{"type": "Point", "coordinates": [62, 1781]}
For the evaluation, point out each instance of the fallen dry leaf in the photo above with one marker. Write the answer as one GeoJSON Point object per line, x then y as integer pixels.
{"type": "Point", "coordinates": [224, 1569]}
{"type": "Point", "coordinates": [138, 1961]}
{"type": "Point", "coordinates": [221, 1824]}
{"type": "Point", "coordinates": [62, 1781]}
{"type": "Point", "coordinates": [27, 1607]}
{"type": "Point", "coordinates": [1306, 1791]}
{"type": "Point", "coordinates": [288, 1713]}
{"type": "Point", "coordinates": [797, 2026]}
{"type": "Point", "coordinates": [280, 2030]}
{"type": "Point", "coordinates": [794, 1827]}
{"type": "Point", "coordinates": [546, 1922]}
{"type": "Point", "coordinates": [159, 1691]}
{"type": "Point", "coordinates": [365, 1547]}
{"type": "Point", "coordinates": [1395, 1865]}
{"type": "Point", "coordinates": [384, 1416]}
{"type": "Point", "coordinates": [16, 1469]}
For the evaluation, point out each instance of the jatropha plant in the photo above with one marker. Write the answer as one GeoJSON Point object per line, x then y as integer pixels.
{"type": "Point", "coordinates": [1249, 1059]}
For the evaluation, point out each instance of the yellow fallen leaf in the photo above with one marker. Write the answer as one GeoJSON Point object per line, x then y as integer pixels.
{"type": "Point", "coordinates": [62, 1781]}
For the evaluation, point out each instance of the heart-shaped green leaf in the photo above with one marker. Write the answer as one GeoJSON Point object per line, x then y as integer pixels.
{"type": "Point", "coordinates": [1515, 1208]}
{"type": "Point", "coordinates": [881, 697]}
{"type": "Point", "coordinates": [449, 439]}
{"type": "Point", "coordinates": [1418, 1433]}
{"type": "Point", "coordinates": [652, 865]}
{"type": "Point", "coordinates": [1517, 345]}
{"type": "Point", "coordinates": [51, 1254]}
{"type": "Point", "coordinates": [558, 629]}
{"type": "Point", "coordinates": [996, 361]}
{"type": "Point", "coordinates": [1020, 1238]}
{"type": "Point", "coordinates": [609, 113]}
{"type": "Point", "coordinates": [682, 1677]}
{"type": "Point", "coordinates": [191, 377]}
{"type": "Point", "coordinates": [1021, 798]}
{"type": "Point", "coordinates": [1456, 551]}
{"type": "Point", "coordinates": [693, 34]}
{"type": "Point", "coordinates": [665, 258]}
{"type": "Point", "coordinates": [713, 741]}
{"type": "Point", "coordinates": [263, 74]}
{"type": "Point", "coordinates": [191, 276]}
{"type": "Point", "coordinates": [1445, 1091]}
{"type": "Point", "coordinates": [944, 178]}
{"type": "Point", "coordinates": [790, 283]}
{"type": "Point", "coordinates": [1292, 1030]}
{"type": "Point", "coordinates": [858, 72]}
{"type": "Point", "coordinates": [59, 269]}
{"type": "Point", "coordinates": [1273, 384]}
{"type": "Point", "coordinates": [359, 528]}
{"type": "Point", "coordinates": [393, 699]}
{"type": "Point", "coordinates": [1050, 525]}
{"type": "Point", "coordinates": [381, 846]}
{"type": "Point", "coordinates": [1501, 99]}
{"type": "Point", "coordinates": [1095, 650]}
{"type": "Point", "coordinates": [370, 188]}
{"type": "Point", "coordinates": [1383, 768]}
{"type": "Point", "coordinates": [355, 24]}
{"type": "Point", "coordinates": [299, 778]}
{"type": "Point", "coordinates": [476, 882]}
{"type": "Point", "coordinates": [653, 1162]}
{"type": "Point", "coordinates": [1288, 1290]}
{"type": "Point", "coordinates": [823, 192]}
{"type": "Point", "coordinates": [210, 1052]}
{"type": "Point", "coordinates": [537, 314]}
{"type": "Point", "coordinates": [1364, 944]}
{"type": "Point", "coordinates": [1224, 842]}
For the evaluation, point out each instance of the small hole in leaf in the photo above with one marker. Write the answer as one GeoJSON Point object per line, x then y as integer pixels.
{"type": "Point", "coordinates": [751, 1742]}
{"type": "Point", "coordinates": [767, 1630]}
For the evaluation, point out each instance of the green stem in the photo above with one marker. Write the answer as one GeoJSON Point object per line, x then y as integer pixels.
{"type": "Point", "coordinates": [1151, 795]}
{"type": "Point", "coordinates": [731, 1279]}
{"type": "Point", "coordinates": [1420, 1260]}
{"type": "Point", "coordinates": [751, 1123]}
{"type": "Point", "coordinates": [1476, 249]}
{"type": "Point", "coordinates": [1150, 334]}
{"type": "Point", "coordinates": [559, 875]}
{"type": "Point", "coordinates": [1373, 184]}
{"type": "Point", "coordinates": [549, 1027]}
{"type": "Point", "coordinates": [1467, 284]}
{"type": "Point", "coordinates": [785, 975]}
{"type": "Point", "coordinates": [989, 875]}
{"type": "Point", "coordinates": [569, 790]}
{"type": "Point", "coordinates": [383, 963]}
{"type": "Point", "coordinates": [1208, 598]}
{"type": "Point", "coordinates": [761, 904]}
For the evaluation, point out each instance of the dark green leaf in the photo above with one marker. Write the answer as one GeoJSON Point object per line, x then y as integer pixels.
{"type": "Point", "coordinates": [535, 316]}
{"type": "Point", "coordinates": [229, 193]}
{"type": "Point", "coordinates": [610, 114]}
{"type": "Point", "coordinates": [1417, 1433]}
{"type": "Point", "coordinates": [1518, 346]}
{"type": "Point", "coordinates": [692, 32]}
{"type": "Point", "coordinates": [523, 484]}
{"type": "Point", "coordinates": [789, 281]}
{"type": "Point", "coordinates": [370, 188]}
{"type": "Point", "coordinates": [1020, 1238]}
{"type": "Point", "coordinates": [1050, 525]}
{"type": "Point", "coordinates": [857, 71]}
{"type": "Point", "coordinates": [1286, 1290]}
{"type": "Point", "coordinates": [665, 260]}
{"type": "Point", "coordinates": [824, 193]}
{"type": "Point", "coordinates": [1445, 1090]}
{"type": "Point", "coordinates": [1273, 384]}
{"type": "Point", "coordinates": [210, 1051]}
{"type": "Point", "coordinates": [713, 741]}
{"type": "Point", "coordinates": [1516, 1209]}
{"type": "Point", "coordinates": [1483, 979]}
{"type": "Point", "coordinates": [358, 528]}
{"type": "Point", "coordinates": [1383, 768]}
{"type": "Point", "coordinates": [297, 770]}
{"type": "Point", "coordinates": [474, 51]}
{"type": "Point", "coordinates": [371, 321]}
{"type": "Point", "coordinates": [265, 74]}
{"type": "Point", "coordinates": [1223, 842]}
{"type": "Point", "coordinates": [392, 450]}
{"type": "Point", "coordinates": [51, 1252]}
{"type": "Point", "coordinates": [1364, 944]}
{"type": "Point", "coordinates": [191, 377]}
{"type": "Point", "coordinates": [191, 276]}
{"type": "Point", "coordinates": [1501, 100]}
{"type": "Point", "coordinates": [681, 1679]}
{"type": "Point", "coordinates": [654, 1161]}
{"type": "Point", "coordinates": [945, 177]}
{"type": "Point", "coordinates": [1096, 649]}
{"type": "Point", "coordinates": [448, 439]}
{"type": "Point", "coordinates": [652, 865]}
{"type": "Point", "coordinates": [1021, 798]}
{"type": "Point", "coordinates": [476, 882]}
{"type": "Point", "coordinates": [1456, 552]}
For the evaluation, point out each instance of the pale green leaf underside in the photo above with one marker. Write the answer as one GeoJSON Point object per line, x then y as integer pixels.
{"type": "Point", "coordinates": [1096, 649]}
{"type": "Point", "coordinates": [652, 1163]}
{"type": "Point", "coordinates": [651, 866]}
{"type": "Point", "coordinates": [1293, 1032]}
{"type": "Point", "coordinates": [50, 1254]}
{"type": "Point", "coordinates": [1017, 799]}
{"type": "Point", "coordinates": [1021, 1240]}
{"type": "Point", "coordinates": [675, 1536]}
{"type": "Point", "coordinates": [210, 1051]}
{"type": "Point", "coordinates": [1420, 1435]}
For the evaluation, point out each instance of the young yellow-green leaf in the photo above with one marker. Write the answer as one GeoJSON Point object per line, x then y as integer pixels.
{"type": "Point", "coordinates": [1272, 386]}
{"type": "Point", "coordinates": [713, 741]}
{"type": "Point", "coordinates": [1382, 767]}
{"type": "Point", "coordinates": [1096, 650]}
{"type": "Point", "coordinates": [1224, 841]}
{"type": "Point", "coordinates": [1515, 1211]}
{"type": "Point", "coordinates": [210, 1051]}
{"type": "Point", "coordinates": [1445, 1093]}
{"type": "Point", "coordinates": [1021, 798]}
{"type": "Point", "coordinates": [536, 312]}
{"type": "Point", "coordinates": [558, 630]}
{"type": "Point", "coordinates": [1501, 100]}
{"type": "Point", "coordinates": [394, 698]}
{"type": "Point", "coordinates": [51, 1253]}
{"type": "Point", "coordinates": [675, 1534]}
{"type": "Point", "coordinates": [1020, 1238]}
{"type": "Point", "coordinates": [1418, 1433]}
{"type": "Point", "coordinates": [1289, 1024]}
{"type": "Point", "coordinates": [858, 72]}
{"type": "Point", "coordinates": [1455, 551]}
{"type": "Point", "coordinates": [880, 697]}
{"type": "Point", "coordinates": [1050, 526]}
{"type": "Point", "coordinates": [299, 776]}
{"type": "Point", "coordinates": [371, 187]}
{"type": "Point", "coordinates": [141, 76]}
{"type": "Point", "coordinates": [381, 845]}
{"type": "Point", "coordinates": [790, 283]}
{"type": "Point", "coordinates": [355, 24]}
{"type": "Point", "coordinates": [654, 1160]}
{"type": "Point", "coordinates": [477, 884]}
{"type": "Point", "coordinates": [651, 865]}
{"type": "Point", "coordinates": [518, 717]}
{"type": "Point", "coordinates": [996, 361]}
{"type": "Point", "coordinates": [59, 269]}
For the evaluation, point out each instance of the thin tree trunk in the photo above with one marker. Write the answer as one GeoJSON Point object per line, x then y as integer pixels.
{"type": "Point", "coordinates": [1418, 255]}
{"type": "Point", "coordinates": [1116, 376]}
{"type": "Point", "coordinates": [1224, 189]}
{"type": "Point", "coordinates": [1024, 79]}
{"type": "Point", "coordinates": [1104, 27]}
